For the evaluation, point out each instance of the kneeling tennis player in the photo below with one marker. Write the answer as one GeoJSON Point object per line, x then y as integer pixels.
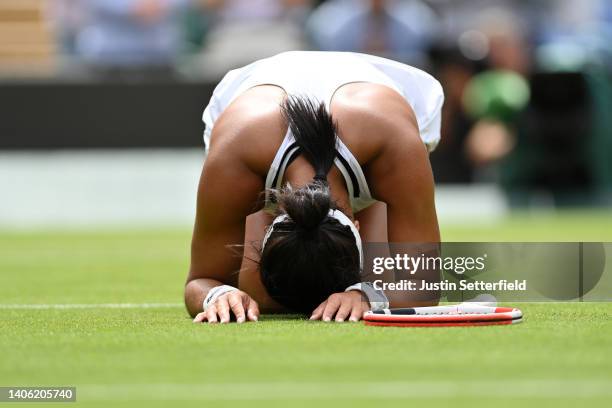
{"type": "Point", "coordinates": [309, 155]}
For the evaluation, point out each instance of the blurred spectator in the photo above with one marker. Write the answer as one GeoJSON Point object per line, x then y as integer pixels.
{"type": "Point", "coordinates": [454, 71]}
{"type": "Point", "coordinates": [458, 16]}
{"type": "Point", "coordinates": [132, 38]}
{"type": "Point", "coordinates": [574, 34]}
{"type": "Point", "coordinates": [495, 97]}
{"type": "Point", "coordinates": [482, 62]}
{"type": "Point", "coordinates": [508, 38]}
{"type": "Point", "coordinates": [496, 32]}
{"type": "Point", "coordinates": [68, 17]}
{"type": "Point", "coordinates": [246, 30]}
{"type": "Point", "coordinates": [398, 29]}
{"type": "Point", "coordinates": [229, 11]}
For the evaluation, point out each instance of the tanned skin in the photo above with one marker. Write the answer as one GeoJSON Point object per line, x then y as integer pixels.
{"type": "Point", "coordinates": [380, 129]}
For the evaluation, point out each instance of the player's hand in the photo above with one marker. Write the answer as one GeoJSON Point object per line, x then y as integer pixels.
{"type": "Point", "coordinates": [342, 306]}
{"type": "Point", "coordinates": [236, 303]}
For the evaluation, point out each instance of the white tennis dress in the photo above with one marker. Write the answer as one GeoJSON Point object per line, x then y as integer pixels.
{"type": "Point", "coordinates": [318, 75]}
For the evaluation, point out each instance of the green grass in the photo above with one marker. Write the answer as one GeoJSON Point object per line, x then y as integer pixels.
{"type": "Point", "coordinates": [560, 356]}
{"type": "Point", "coordinates": [566, 226]}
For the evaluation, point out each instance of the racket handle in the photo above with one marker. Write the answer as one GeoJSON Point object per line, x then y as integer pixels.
{"type": "Point", "coordinates": [427, 310]}
{"type": "Point", "coordinates": [437, 310]}
{"type": "Point", "coordinates": [400, 311]}
{"type": "Point", "coordinates": [418, 310]}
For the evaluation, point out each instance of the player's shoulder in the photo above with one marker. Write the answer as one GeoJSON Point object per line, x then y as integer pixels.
{"type": "Point", "coordinates": [250, 128]}
{"type": "Point", "coordinates": [374, 115]}
{"type": "Point", "coordinates": [378, 104]}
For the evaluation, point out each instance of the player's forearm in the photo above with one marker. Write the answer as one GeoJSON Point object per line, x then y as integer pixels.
{"type": "Point", "coordinates": [416, 276]}
{"type": "Point", "coordinates": [195, 292]}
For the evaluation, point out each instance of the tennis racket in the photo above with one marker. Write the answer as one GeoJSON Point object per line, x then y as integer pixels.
{"type": "Point", "coordinates": [464, 314]}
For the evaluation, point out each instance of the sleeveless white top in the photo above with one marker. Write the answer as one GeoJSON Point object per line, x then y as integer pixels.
{"type": "Point", "coordinates": [318, 75]}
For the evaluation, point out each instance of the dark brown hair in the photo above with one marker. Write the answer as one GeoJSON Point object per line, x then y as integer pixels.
{"type": "Point", "coordinates": [310, 255]}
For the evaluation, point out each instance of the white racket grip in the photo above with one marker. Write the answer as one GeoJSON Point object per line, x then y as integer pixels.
{"type": "Point", "coordinates": [436, 310]}
{"type": "Point", "coordinates": [463, 308]}
{"type": "Point", "coordinates": [469, 308]}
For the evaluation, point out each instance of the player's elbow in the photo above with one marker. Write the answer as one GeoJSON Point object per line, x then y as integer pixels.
{"type": "Point", "coordinates": [191, 297]}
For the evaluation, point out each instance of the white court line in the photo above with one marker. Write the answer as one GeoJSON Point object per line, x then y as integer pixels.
{"type": "Point", "coordinates": [60, 306]}
{"type": "Point", "coordinates": [535, 389]}
{"type": "Point", "coordinates": [35, 306]}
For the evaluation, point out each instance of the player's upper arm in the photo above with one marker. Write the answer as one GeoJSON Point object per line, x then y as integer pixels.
{"type": "Point", "coordinates": [401, 176]}
{"type": "Point", "coordinates": [231, 185]}
{"type": "Point", "coordinates": [408, 189]}
{"type": "Point", "coordinates": [382, 129]}
{"type": "Point", "coordinates": [227, 193]}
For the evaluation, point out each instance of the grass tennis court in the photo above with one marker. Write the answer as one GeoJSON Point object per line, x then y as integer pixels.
{"type": "Point", "coordinates": [148, 353]}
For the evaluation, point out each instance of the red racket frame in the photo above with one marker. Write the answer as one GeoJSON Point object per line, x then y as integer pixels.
{"type": "Point", "coordinates": [501, 316]}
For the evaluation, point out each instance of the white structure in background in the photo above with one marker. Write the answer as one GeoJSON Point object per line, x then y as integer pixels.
{"type": "Point", "coordinates": [98, 188]}
{"type": "Point", "coordinates": [149, 188]}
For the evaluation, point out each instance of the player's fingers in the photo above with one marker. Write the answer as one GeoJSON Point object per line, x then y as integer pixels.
{"type": "Point", "coordinates": [318, 312]}
{"type": "Point", "coordinates": [223, 309]}
{"type": "Point", "coordinates": [235, 301]}
{"type": "Point", "coordinates": [356, 313]}
{"type": "Point", "coordinates": [199, 318]}
{"type": "Point", "coordinates": [211, 314]}
{"type": "Point", "coordinates": [252, 310]}
{"type": "Point", "coordinates": [345, 309]}
{"type": "Point", "coordinates": [333, 303]}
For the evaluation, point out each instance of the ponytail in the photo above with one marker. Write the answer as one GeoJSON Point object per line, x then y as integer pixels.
{"type": "Point", "coordinates": [314, 131]}
{"type": "Point", "coordinates": [315, 134]}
